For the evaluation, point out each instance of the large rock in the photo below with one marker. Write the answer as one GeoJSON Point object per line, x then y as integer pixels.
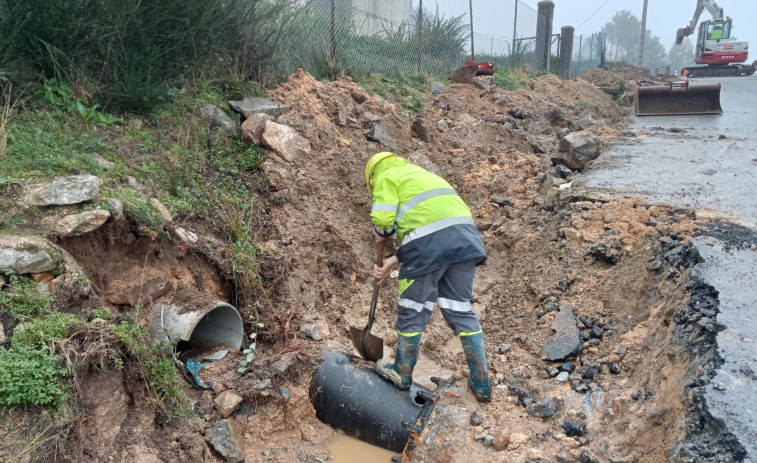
{"type": "Point", "coordinates": [420, 129]}
{"type": "Point", "coordinates": [13, 261]}
{"type": "Point", "coordinates": [81, 223]}
{"type": "Point", "coordinates": [219, 120]}
{"type": "Point", "coordinates": [437, 88]}
{"type": "Point", "coordinates": [581, 148]}
{"type": "Point", "coordinates": [116, 208]}
{"type": "Point", "coordinates": [69, 190]}
{"type": "Point", "coordinates": [543, 408]}
{"type": "Point", "coordinates": [160, 209]}
{"type": "Point", "coordinates": [253, 127]}
{"type": "Point", "coordinates": [249, 106]}
{"type": "Point", "coordinates": [567, 340]}
{"type": "Point", "coordinates": [226, 440]}
{"type": "Point", "coordinates": [378, 134]}
{"type": "Point", "coordinates": [284, 141]}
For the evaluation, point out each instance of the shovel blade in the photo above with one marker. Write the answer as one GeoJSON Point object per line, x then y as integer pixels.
{"type": "Point", "coordinates": [672, 101]}
{"type": "Point", "coordinates": [369, 346]}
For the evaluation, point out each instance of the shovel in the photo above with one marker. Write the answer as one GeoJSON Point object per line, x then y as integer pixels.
{"type": "Point", "coordinates": [369, 346]}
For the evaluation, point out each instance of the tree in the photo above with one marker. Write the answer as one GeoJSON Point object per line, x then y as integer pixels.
{"type": "Point", "coordinates": [623, 42]}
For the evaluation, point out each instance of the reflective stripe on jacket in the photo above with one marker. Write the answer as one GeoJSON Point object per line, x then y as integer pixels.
{"type": "Point", "coordinates": [433, 224]}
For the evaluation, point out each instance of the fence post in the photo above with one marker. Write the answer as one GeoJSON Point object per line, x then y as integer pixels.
{"type": "Point", "coordinates": [603, 49]}
{"type": "Point", "coordinates": [546, 9]}
{"type": "Point", "coordinates": [580, 49]}
{"type": "Point", "coordinates": [566, 51]}
{"type": "Point", "coordinates": [420, 24]}
{"type": "Point", "coordinates": [591, 52]}
{"type": "Point", "coordinates": [333, 31]}
{"type": "Point", "coordinates": [643, 34]}
{"type": "Point", "coordinates": [472, 51]}
{"type": "Point", "coordinates": [515, 29]}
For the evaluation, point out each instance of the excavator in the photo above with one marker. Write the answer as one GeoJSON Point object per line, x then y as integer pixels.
{"type": "Point", "coordinates": [717, 50]}
{"type": "Point", "coordinates": [714, 45]}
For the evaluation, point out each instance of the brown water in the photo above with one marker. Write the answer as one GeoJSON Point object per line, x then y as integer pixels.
{"type": "Point", "coordinates": [345, 449]}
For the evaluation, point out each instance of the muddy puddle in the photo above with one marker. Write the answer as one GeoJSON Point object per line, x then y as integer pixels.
{"type": "Point", "coordinates": [346, 449]}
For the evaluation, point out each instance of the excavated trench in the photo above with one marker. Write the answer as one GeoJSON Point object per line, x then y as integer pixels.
{"type": "Point", "coordinates": [630, 391]}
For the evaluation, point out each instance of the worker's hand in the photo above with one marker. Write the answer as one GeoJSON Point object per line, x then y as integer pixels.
{"type": "Point", "coordinates": [381, 272]}
{"type": "Point", "coordinates": [379, 238]}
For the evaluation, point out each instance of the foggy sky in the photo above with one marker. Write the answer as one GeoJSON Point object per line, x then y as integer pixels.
{"type": "Point", "coordinates": [664, 17]}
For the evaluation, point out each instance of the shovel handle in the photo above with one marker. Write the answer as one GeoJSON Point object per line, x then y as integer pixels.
{"type": "Point", "coordinates": [376, 285]}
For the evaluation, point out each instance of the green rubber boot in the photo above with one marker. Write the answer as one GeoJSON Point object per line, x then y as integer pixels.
{"type": "Point", "coordinates": [400, 373]}
{"type": "Point", "coordinates": [475, 354]}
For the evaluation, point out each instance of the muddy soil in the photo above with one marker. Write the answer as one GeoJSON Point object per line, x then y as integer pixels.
{"type": "Point", "coordinates": [548, 247]}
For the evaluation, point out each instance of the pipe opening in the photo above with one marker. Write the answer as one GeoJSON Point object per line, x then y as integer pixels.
{"type": "Point", "coordinates": [420, 400]}
{"type": "Point", "coordinates": [218, 325]}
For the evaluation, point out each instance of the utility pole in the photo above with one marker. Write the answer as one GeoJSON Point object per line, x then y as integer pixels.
{"type": "Point", "coordinates": [472, 51]}
{"type": "Point", "coordinates": [643, 33]}
{"type": "Point", "coordinates": [515, 30]}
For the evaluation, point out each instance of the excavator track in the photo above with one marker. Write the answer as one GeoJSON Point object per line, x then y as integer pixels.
{"type": "Point", "coordinates": [731, 70]}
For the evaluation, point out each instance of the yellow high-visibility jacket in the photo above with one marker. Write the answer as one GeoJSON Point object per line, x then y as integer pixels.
{"type": "Point", "coordinates": [433, 224]}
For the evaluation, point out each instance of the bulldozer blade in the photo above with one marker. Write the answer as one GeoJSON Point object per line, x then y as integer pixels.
{"type": "Point", "coordinates": [674, 101]}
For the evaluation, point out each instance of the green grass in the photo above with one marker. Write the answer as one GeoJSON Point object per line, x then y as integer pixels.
{"type": "Point", "coordinates": [512, 79]}
{"type": "Point", "coordinates": [408, 93]}
{"type": "Point", "coordinates": [26, 300]}
{"type": "Point", "coordinates": [32, 375]}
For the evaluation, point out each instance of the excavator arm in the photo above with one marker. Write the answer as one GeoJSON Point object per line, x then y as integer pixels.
{"type": "Point", "coordinates": [710, 5]}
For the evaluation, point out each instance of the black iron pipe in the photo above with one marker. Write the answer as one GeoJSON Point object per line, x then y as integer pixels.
{"type": "Point", "coordinates": [349, 396]}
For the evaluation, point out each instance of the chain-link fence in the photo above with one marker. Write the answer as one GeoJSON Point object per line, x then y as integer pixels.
{"type": "Point", "coordinates": [410, 37]}
{"type": "Point", "coordinates": [588, 52]}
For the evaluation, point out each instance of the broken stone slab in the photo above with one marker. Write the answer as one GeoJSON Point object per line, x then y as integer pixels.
{"type": "Point", "coordinates": [20, 262]}
{"type": "Point", "coordinates": [219, 120]}
{"type": "Point", "coordinates": [69, 190]}
{"type": "Point", "coordinates": [567, 339]}
{"type": "Point", "coordinates": [581, 148]}
{"type": "Point", "coordinates": [379, 135]}
{"type": "Point", "coordinates": [249, 106]}
{"type": "Point", "coordinates": [227, 402]}
{"type": "Point", "coordinates": [437, 88]}
{"type": "Point", "coordinates": [81, 223]}
{"type": "Point", "coordinates": [284, 141]}
{"type": "Point", "coordinates": [226, 440]}
{"type": "Point", "coordinates": [253, 127]}
{"type": "Point", "coordinates": [160, 209]}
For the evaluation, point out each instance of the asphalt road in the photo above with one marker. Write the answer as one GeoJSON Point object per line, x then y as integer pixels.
{"type": "Point", "coordinates": [708, 162]}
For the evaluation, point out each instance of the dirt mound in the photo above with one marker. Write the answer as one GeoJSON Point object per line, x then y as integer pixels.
{"type": "Point", "coordinates": [602, 77]}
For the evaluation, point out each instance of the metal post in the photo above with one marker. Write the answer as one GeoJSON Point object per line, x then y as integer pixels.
{"type": "Point", "coordinates": [580, 48]}
{"type": "Point", "coordinates": [515, 29]}
{"type": "Point", "coordinates": [472, 51]}
{"type": "Point", "coordinates": [643, 34]}
{"type": "Point", "coordinates": [420, 23]}
{"type": "Point", "coordinates": [566, 51]}
{"type": "Point", "coordinates": [591, 52]}
{"type": "Point", "coordinates": [491, 49]}
{"type": "Point", "coordinates": [333, 30]}
{"type": "Point", "coordinates": [546, 9]}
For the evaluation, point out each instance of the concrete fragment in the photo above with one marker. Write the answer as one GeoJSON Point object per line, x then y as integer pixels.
{"type": "Point", "coordinates": [252, 128]}
{"type": "Point", "coordinates": [226, 402]}
{"type": "Point", "coordinates": [284, 141]}
{"type": "Point", "coordinates": [69, 190]}
{"type": "Point", "coordinates": [249, 106]}
{"type": "Point", "coordinates": [219, 120]}
{"type": "Point", "coordinates": [378, 134]}
{"type": "Point", "coordinates": [79, 224]}
{"type": "Point", "coordinates": [226, 440]}
{"type": "Point", "coordinates": [581, 148]}
{"type": "Point", "coordinates": [566, 341]}
{"type": "Point", "coordinates": [437, 88]}
{"type": "Point", "coordinates": [163, 213]}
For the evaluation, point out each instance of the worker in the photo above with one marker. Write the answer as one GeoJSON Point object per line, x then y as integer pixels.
{"type": "Point", "coordinates": [440, 248]}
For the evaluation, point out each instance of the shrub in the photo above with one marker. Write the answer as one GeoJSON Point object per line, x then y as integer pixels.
{"type": "Point", "coordinates": [31, 375]}
{"type": "Point", "coordinates": [25, 300]}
